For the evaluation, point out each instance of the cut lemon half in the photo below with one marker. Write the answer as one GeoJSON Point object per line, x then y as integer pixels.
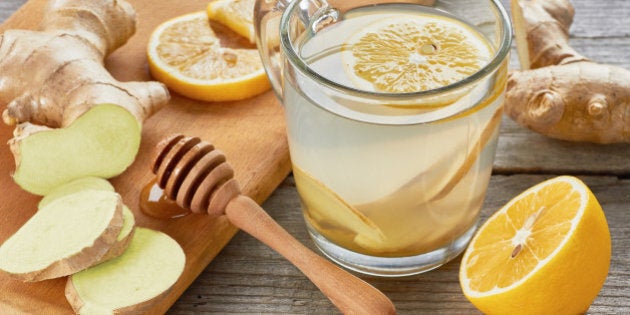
{"type": "Point", "coordinates": [186, 54]}
{"type": "Point", "coordinates": [238, 15]}
{"type": "Point", "coordinates": [413, 53]}
{"type": "Point", "coordinates": [545, 252]}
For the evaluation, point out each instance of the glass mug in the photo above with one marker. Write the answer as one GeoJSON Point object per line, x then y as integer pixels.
{"type": "Point", "coordinates": [391, 182]}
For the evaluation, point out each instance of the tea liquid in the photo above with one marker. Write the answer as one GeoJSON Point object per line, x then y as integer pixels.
{"type": "Point", "coordinates": [413, 176]}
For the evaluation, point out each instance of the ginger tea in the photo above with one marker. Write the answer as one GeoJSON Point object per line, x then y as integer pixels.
{"type": "Point", "coordinates": [383, 178]}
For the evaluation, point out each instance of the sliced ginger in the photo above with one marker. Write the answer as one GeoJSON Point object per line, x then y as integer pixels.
{"type": "Point", "coordinates": [132, 282]}
{"type": "Point", "coordinates": [96, 183]}
{"type": "Point", "coordinates": [69, 234]}
{"type": "Point", "coordinates": [103, 142]}
{"type": "Point", "coordinates": [326, 207]}
{"type": "Point", "coordinates": [124, 236]}
{"type": "Point", "coordinates": [83, 183]}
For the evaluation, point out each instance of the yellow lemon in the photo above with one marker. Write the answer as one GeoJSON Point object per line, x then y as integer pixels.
{"type": "Point", "coordinates": [186, 54]}
{"type": "Point", "coordinates": [545, 252]}
{"type": "Point", "coordinates": [414, 53]}
{"type": "Point", "coordinates": [238, 15]}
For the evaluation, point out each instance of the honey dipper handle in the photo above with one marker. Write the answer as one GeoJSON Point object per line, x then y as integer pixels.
{"type": "Point", "coordinates": [348, 293]}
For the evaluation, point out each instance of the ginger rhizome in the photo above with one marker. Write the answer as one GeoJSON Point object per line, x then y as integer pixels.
{"type": "Point", "coordinates": [52, 77]}
{"type": "Point", "coordinates": [558, 92]}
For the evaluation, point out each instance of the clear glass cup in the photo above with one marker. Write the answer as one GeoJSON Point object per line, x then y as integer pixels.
{"type": "Point", "coordinates": [391, 183]}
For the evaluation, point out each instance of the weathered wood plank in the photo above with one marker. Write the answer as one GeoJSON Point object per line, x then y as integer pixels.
{"type": "Point", "coordinates": [595, 19]}
{"type": "Point", "coordinates": [522, 151]}
{"type": "Point", "coordinates": [7, 7]}
{"type": "Point", "coordinates": [601, 19]}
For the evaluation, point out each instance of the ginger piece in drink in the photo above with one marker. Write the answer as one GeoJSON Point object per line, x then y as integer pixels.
{"type": "Point", "coordinates": [326, 206]}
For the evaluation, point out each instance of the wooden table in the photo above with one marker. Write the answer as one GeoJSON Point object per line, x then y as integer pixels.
{"type": "Point", "coordinates": [248, 277]}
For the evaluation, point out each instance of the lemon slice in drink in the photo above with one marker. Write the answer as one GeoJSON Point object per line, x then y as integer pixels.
{"type": "Point", "coordinates": [413, 53]}
{"type": "Point", "coordinates": [325, 206]}
{"type": "Point", "coordinates": [238, 15]}
{"type": "Point", "coordinates": [545, 252]}
{"type": "Point", "coordinates": [187, 55]}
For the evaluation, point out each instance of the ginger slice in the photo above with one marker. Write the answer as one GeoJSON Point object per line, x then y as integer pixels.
{"type": "Point", "coordinates": [66, 236]}
{"type": "Point", "coordinates": [324, 205]}
{"type": "Point", "coordinates": [124, 237]}
{"type": "Point", "coordinates": [76, 185]}
{"type": "Point", "coordinates": [132, 282]}
{"type": "Point", "coordinates": [97, 183]}
{"type": "Point", "coordinates": [103, 142]}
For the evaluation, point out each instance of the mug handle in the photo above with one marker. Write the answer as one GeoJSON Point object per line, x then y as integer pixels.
{"type": "Point", "coordinates": [267, 15]}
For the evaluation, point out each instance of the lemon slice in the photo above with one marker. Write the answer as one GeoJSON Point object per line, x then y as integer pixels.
{"type": "Point", "coordinates": [326, 207]}
{"type": "Point", "coordinates": [414, 52]}
{"type": "Point", "coordinates": [186, 54]}
{"type": "Point", "coordinates": [546, 252]}
{"type": "Point", "coordinates": [238, 15]}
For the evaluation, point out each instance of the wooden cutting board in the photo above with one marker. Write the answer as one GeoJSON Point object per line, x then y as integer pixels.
{"type": "Point", "coordinates": [251, 133]}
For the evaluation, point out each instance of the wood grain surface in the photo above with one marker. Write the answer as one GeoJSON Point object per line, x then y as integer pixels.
{"type": "Point", "coordinates": [247, 277]}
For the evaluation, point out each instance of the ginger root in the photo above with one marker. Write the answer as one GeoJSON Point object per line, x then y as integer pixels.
{"type": "Point", "coordinates": [558, 92]}
{"type": "Point", "coordinates": [51, 77]}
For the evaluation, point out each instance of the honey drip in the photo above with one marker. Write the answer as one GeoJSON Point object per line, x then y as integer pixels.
{"type": "Point", "coordinates": [154, 203]}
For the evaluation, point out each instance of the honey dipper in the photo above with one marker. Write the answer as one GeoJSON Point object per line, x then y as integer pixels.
{"type": "Point", "coordinates": [197, 176]}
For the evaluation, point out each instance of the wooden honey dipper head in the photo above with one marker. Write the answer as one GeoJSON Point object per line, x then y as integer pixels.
{"type": "Point", "coordinates": [194, 174]}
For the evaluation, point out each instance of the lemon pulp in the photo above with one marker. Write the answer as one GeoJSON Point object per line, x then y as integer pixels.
{"type": "Point", "coordinates": [414, 52]}
{"type": "Point", "coordinates": [187, 54]}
